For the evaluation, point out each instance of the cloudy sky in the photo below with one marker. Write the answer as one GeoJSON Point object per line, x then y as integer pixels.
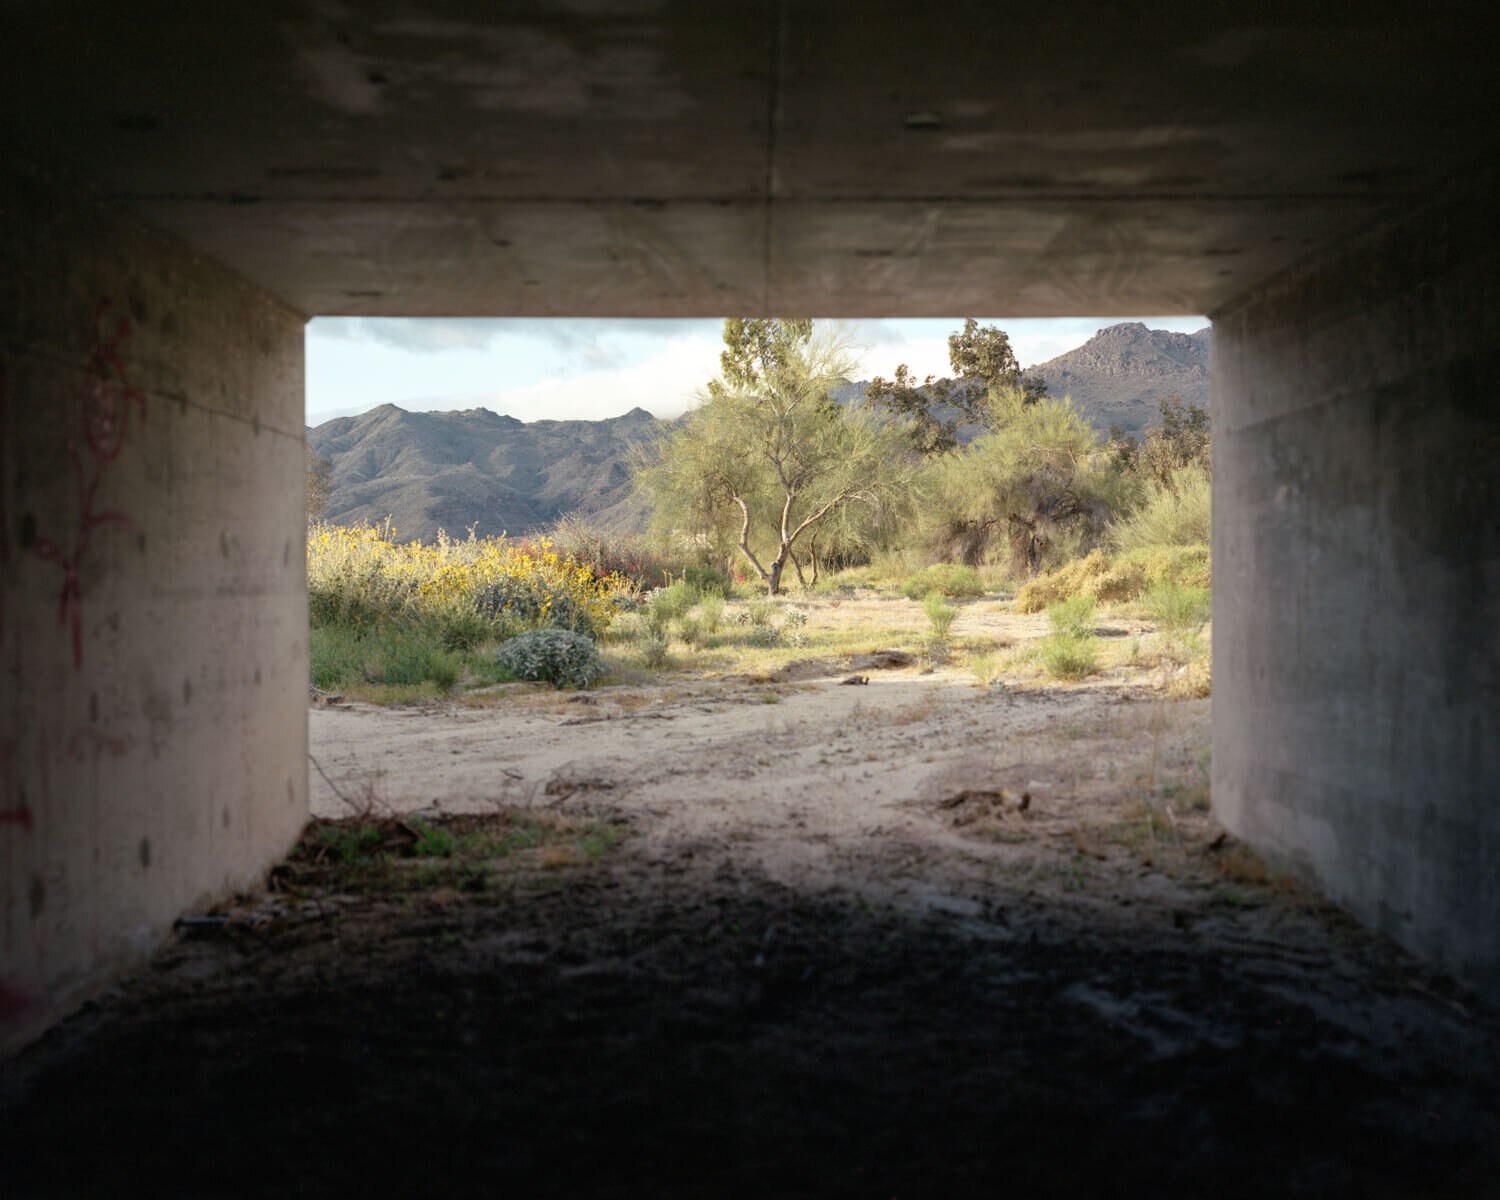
{"type": "Point", "coordinates": [563, 368]}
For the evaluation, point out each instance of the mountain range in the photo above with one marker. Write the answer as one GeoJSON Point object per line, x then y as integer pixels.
{"type": "Point", "coordinates": [1117, 377]}
{"type": "Point", "coordinates": [452, 470]}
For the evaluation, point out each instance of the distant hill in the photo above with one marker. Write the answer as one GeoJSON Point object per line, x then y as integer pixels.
{"type": "Point", "coordinates": [1119, 375]}
{"type": "Point", "coordinates": [450, 470]}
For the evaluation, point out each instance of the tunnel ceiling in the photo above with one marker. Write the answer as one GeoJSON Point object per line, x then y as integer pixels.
{"type": "Point", "coordinates": [626, 157]}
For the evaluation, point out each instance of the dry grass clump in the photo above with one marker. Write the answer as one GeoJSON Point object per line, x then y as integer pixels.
{"type": "Point", "coordinates": [1194, 681]}
{"type": "Point", "coordinates": [1091, 575]}
{"type": "Point", "coordinates": [1125, 577]}
{"type": "Point", "coordinates": [1239, 863]}
{"type": "Point", "coordinates": [1151, 567]}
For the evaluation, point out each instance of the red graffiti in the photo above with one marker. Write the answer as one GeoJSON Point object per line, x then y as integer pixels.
{"type": "Point", "coordinates": [93, 745]}
{"type": "Point", "coordinates": [108, 396]}
{"type": "Point", "coordinates": [11, 811]}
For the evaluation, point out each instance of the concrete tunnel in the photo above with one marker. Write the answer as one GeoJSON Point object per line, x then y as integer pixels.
{"type": "Point", "coordinates": [184, 187]}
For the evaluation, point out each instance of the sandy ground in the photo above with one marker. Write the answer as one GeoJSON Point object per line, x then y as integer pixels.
{"type": "Point", "coordinates": [906, 938]}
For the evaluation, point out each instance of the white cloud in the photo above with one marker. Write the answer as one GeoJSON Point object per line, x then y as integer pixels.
{"type": "Point", "coordinates": [664, 386]}
{"type": "Point", "coordinates": [419, 335]}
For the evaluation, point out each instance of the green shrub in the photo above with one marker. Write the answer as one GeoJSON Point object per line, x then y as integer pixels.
{"type": "Point", "coordinates": [1181, 613]}
{"type": "Point", "coordinates": [949, 579]}
{"type": "Point", "coordinates": [1175, 513]}
{"type": "Point", "coordinates": [986, 668]}
{"type": "Point", "coordinates": [530, 601]}
{"type": "Point", "coordinates": [1070, 656]}
{"type": "Point", "coordinates": [886, 565]}
{"type": "Point", "coordinates": [432, 842]}
{"type": "Point", "coordinates": [759, 612]}
{"type": "Point", "coordinates": [764, 636]}
{"type": "Point", "coordinates": [843, 583]}
{"type": "Point", "coordinates": [711, 609]}
{"type": "Point", "coordinates": [560, 656]}
{"type": "Point", "coordinates": [627, 627]}
{"type": "Point", "coordinates": [341, 656]}
{"type": "Point", "coordinates": [1179, 609]}
{"type": "Point", "coordinates": [707, 581]}
{"type": "Point", "coordinates": [653, 646]}
{"type": "Point", "coordinates": [692, 631]}
{"type": "Point", "coordinates": [443, 668]}
{"type": "Point", "coordinates": [1148, 568]}
{"type": "Point", "coordinates": [669, 603]}
{"type": "Point", "coordinates": [350, 845]}
{"type": "Point", "coordinates": [336, 656]}
{"type": "Point", "coordinates": [459, 629]}
{"type": "Point", "coordinates": [940, 614]}
{"type": "Point", "coordinates": [1073, 617]}
{"type": "Point", "coordinates": [407, 657]}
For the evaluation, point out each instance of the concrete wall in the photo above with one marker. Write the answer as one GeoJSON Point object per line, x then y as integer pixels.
{"type": "Point", "coordinates": [153, 635]}
{"type": "Point", "coordinates": [1357, 576]}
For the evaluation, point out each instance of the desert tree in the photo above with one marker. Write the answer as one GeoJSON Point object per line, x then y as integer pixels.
{"type": "Point", "coordinates": [1041, 474]}
{"type": "Point", "coordinates": [1181, 440]}
{"type": "Point", "coordinates": [769, 460]}
{"type": "Point", "coordinates": [983, 364]}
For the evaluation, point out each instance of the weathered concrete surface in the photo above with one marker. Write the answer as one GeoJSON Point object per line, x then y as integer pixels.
{"type": "Point", "coordinates": [671, 158]}
{"type": "Point", "coordinates": [1356, 569]}
{"type": "Point", "coordinates": [668, 158]}
{"type": "Point", "coordinates": [153, 635]}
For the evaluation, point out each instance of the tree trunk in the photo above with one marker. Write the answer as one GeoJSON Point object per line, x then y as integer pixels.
{"type": "Point", "coordinates": [802, 579]}
{"type": "Point", "coordinates": [773, 580]}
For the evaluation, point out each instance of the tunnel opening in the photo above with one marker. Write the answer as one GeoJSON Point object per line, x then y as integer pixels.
{"type": "Point", "coordinates": [740, 924]}
{"type": "Point", "coordinates": [1322, 186]}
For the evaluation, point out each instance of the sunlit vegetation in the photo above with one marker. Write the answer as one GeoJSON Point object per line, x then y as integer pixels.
{"type": "Point", "coordinates": [781, 514]}
{"type": "Point", "coordinates": [386, 613]}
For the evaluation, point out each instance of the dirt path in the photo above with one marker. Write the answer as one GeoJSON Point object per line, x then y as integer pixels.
{"type": "Point", "coordinates": [905, 938]}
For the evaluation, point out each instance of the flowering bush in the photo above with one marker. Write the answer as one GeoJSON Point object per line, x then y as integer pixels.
{"type": "Point", "coordinates": [623, 557]}
{"type": "Point", "coordinates": [466, 590]}
{"type": "Point", "coordinates": [560, 656]}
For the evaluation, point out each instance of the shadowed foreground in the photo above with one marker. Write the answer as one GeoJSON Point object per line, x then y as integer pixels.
{"type": "Point", "coordinates": [627, 1034]}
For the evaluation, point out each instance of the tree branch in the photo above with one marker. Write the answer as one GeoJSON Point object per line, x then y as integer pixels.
{"type": "Point", "coordinates": [745, 539]}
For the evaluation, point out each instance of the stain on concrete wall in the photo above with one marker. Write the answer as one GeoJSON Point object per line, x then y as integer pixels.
{"type": "Point", "coordinates": [151, 416]}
